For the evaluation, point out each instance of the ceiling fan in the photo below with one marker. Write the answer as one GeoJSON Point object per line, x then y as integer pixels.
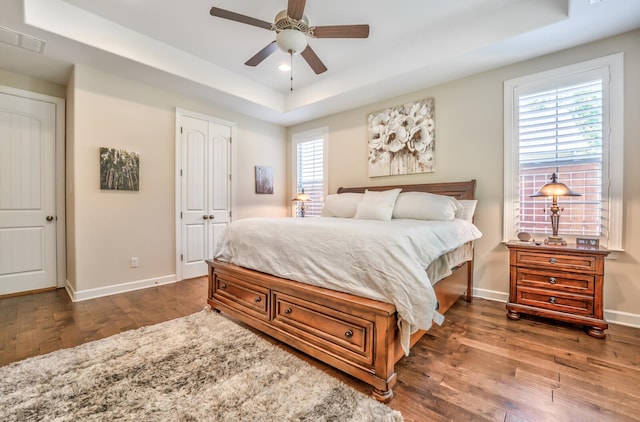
{"type": "Point", "coordinates": [292, 30]}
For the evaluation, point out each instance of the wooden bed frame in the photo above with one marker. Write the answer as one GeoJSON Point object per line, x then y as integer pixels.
{"type": "Point", "coordinates": [354, 334]}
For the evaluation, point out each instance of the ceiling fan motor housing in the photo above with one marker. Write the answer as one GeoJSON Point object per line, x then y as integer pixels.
{"type": "Point", "coordinates": [291, 34]}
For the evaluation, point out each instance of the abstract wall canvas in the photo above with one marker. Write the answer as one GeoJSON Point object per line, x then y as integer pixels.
{"type": "Point", "coordinates": [402, 139]}
{"type": "Point", "coordinates": [119, 169]}
{"type": "Point", "coordinates": [264, 179]}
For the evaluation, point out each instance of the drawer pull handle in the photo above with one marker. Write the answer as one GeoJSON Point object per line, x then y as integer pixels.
{"type": "Point", "coordinates": [288, 311]}
{"type": "Point", "coordinates": [552, 299]}
{"type": "Point", "coordinates": [552, 280]}
{"type": "Point", "coordinates": [348, 334]}
{"type": "Point", "coordinates": [258, 299]}
{"type": "Point", "coordinates": [552, 260]}
{"type": "Point", "coordinates": [223, 286]}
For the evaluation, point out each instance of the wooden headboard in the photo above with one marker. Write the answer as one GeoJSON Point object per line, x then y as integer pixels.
{"type": "Point", "coordinates": [459, 190]}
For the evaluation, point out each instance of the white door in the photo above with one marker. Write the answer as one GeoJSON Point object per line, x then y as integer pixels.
{"type": "Point", "coordinates": [27, 194]}
{"type": "Point", "coordinates": [205, 185]}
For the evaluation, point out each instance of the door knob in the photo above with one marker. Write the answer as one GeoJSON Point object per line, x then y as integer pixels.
{"type": "Point", "coordinates": [205, 217]}
{"type": "Point", "coordinates": [211, 217]}
{"type": "Point", "coordinates": [49, 218]}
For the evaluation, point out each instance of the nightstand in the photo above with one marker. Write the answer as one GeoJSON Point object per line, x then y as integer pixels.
{"type": "Point", "coordinates": [559, 282]}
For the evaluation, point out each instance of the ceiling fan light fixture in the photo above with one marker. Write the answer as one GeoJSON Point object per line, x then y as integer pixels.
{"type": "Point", "coordinates": [291, 41]}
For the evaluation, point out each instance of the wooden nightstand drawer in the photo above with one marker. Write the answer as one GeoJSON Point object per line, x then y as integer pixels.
{"type": "Point", "coordinates": [564, 262]}
{"type": "Point", "coordinates": [556, 301]}
{"type": "Point", "coordinates": [567, 282]}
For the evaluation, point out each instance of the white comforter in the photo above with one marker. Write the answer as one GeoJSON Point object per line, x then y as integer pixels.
{"type": "Point", "coordinates": [381, 260]}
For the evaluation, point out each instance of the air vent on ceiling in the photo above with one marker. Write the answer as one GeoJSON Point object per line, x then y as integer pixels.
{"type": "Point", "coordinates": [17, 39]}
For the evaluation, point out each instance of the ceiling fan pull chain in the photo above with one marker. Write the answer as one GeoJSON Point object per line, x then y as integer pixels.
{"type": "Point", "coordinates": [291, 67]}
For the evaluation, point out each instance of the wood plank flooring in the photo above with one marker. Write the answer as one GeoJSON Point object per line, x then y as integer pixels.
{"type": "Point", "coordinates": [478, 366]}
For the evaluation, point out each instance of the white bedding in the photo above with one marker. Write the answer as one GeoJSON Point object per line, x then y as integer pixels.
{"type": "Point", "coordinates": [381, 260]}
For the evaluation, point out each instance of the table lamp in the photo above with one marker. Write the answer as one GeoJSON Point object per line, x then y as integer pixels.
{"type": "Point", "coordinates": [302, 198]}
{"type": "Point", "coordinates": [554, 189]}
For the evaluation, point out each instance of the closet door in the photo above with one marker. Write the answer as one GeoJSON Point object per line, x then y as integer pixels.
{"type": "Point", "coordinates": [205, 186]}
{"type": "Point", "coordinates": [27, 194]}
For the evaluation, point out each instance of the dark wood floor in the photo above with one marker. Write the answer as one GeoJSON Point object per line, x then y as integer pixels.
{"type": "Point", "coordinates": [477, 366]}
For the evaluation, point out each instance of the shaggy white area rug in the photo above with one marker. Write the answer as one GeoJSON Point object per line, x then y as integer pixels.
{"type": "Point", "coordinates": [202, 367]}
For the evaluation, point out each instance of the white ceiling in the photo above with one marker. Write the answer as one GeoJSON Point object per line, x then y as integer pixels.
{"type": "Point", "coordinates": [413, 44]}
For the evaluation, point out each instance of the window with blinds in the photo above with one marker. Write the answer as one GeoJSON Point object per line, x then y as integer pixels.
{"type": "Point", "coordinates": [310, 170]}
{"type": "Point", "coordinates": [567, 121]}
{"type": "Point", "coordinates": [560, 130]}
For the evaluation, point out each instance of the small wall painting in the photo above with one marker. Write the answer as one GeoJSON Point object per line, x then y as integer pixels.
{"type": "Point", "coordinates": [402, 139]}
{"type": "Point", "coordinates": [119, 169]}
{"type": "Point", "coordinates": [264, 180]}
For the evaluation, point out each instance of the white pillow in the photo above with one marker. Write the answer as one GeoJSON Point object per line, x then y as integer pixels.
{"type": "Point", "coordinates": [343, 205]}
{"type": "Point", "coordinates": [467, 210]}
{"type": "Point", "coordinates": [426, 206]}
{"type": "Point", "coordinates": [374, 211]}
{"type": "Point", "coordinates": [377, 205]}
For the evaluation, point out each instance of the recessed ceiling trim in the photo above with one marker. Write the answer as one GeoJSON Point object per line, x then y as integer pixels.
{"type": "Point", "coordinates": [66, 20]}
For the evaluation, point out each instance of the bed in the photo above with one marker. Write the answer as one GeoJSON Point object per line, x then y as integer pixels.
{"type": "Point", "coordinates": [359, 335]}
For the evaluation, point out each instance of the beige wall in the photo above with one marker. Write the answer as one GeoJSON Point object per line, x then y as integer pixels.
{"type": "Point", "coordinates": [109, 227]}
{"type": "Point", "coordinates": [32, 84]}
{"type": "Point", "coordinates": [469, 145]}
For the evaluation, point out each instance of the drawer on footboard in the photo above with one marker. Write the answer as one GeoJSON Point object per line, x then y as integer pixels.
{"type": "Point", "coordinates": [330, 329]}
{"type": "Point", "coordinates": [248, 298]}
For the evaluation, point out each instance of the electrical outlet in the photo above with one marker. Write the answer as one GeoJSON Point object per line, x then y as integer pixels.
{"type": "Point", "coordinates": [134, 262]}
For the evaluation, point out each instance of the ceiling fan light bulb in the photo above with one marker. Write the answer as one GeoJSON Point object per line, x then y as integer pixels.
{"type": "Point", "coordinates": [291, 41]}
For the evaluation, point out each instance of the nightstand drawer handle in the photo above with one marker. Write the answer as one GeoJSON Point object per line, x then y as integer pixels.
{"type": "Point", "coordinates": [257, 300]}
{"type": "Point", "coordinates": [552, 280]}
{"type": "Point", "coordinates": [348, 334]}
{"type": "Point", "coordinates": [223, 286]}
{"type": "Point", "coordinates": [288, 311]}
{"type": "Point", "coordinates": [552, 299]}
{"type": "Point", "coordinates": [552, 260]}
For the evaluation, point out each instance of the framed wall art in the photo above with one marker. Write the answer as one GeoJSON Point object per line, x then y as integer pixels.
{"type": "Point", "coordinates": [264, 180]}
{"type": "Point", "coordinates": [402, 139]}
{"type": "Point", "coordinates": [119, 169]}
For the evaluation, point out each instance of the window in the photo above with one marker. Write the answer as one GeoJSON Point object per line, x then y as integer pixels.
{"type": "Point", "coordinates": [309, 151]}
{"type": "Point", "coordinates": [566, 121]}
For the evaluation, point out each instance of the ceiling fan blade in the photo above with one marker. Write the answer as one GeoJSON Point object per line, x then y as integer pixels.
{"type": "Point", "coordinates": [262, 54]}
{"type": "Point", "coordinates": [314, 61]}
{"type": "Point", "coordinates": [340, 31]}
{"type": "Point", "coordinates": [295, 9]}
{"type": "Point", "coordinates": [233, 16]}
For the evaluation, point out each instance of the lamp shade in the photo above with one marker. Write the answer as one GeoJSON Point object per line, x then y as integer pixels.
{"type": "Point", "coordinates": [554, 188]}
{"type": "Point", "coordinates": [291, 41]}
{"type": "Point", "coordinates": [301, 197]}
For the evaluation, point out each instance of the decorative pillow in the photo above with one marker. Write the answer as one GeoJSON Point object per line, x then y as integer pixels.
{"type": "Point", "coordinates": [426, 206]}
{"type": "Point", "coordinates": [377, 205]}
{"type": "Point", "coordinates": [467, 209]}
{"type": "Point", "coordinates": [342, 205]}
{"type": "Point", "coordinates": [374, 211]}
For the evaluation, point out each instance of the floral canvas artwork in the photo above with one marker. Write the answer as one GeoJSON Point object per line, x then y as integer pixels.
{"type": "Point", "coordinates": [402, 139]}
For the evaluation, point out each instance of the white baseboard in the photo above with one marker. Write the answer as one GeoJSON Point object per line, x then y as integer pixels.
{"type": "Point", "coordinates": [622, 318]}
{"type": "Point", "coordinates": [81, 295]}
{"type": "Point", "coordinates": [611, 316]}
{"type": "Point", "coordinates": [491, 295]}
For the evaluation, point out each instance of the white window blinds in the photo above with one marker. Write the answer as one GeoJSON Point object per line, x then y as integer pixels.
{"type": "Point", "coordinates": [560, 130]}
{"type": "Point", "coordinates": [567, 121]}
{"type": "Point", "coordinates": [310, 173]}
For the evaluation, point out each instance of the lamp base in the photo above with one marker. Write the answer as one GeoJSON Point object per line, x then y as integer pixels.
{"type": "Point", "coordinates": [555, 240]}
